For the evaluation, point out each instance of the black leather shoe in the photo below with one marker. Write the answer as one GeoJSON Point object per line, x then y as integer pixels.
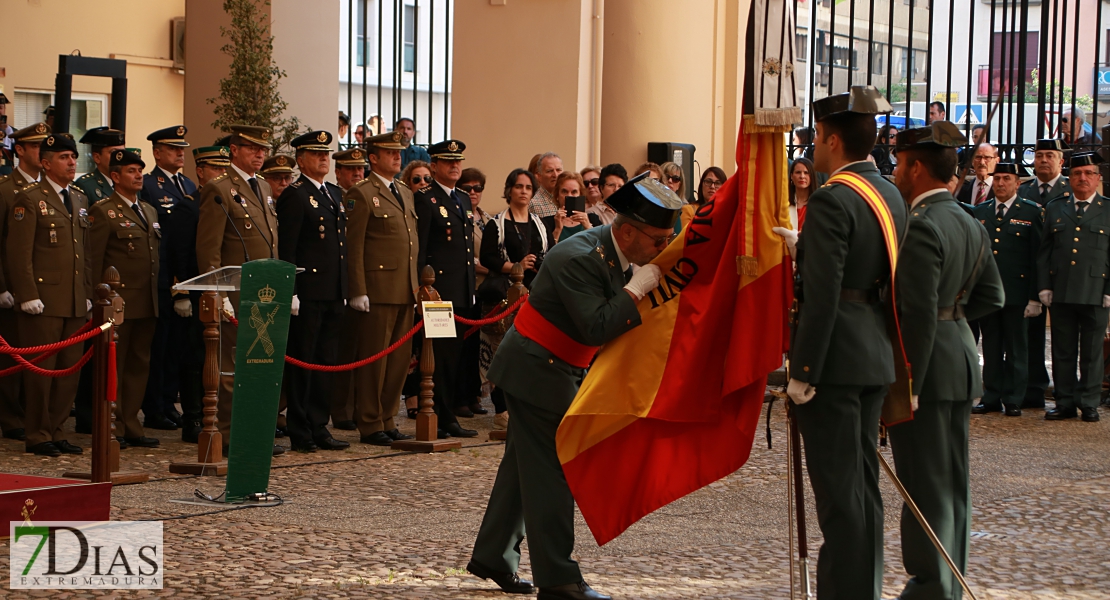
{"type": "Point", "coordinates": [1057, 414]}
{"type": "Point", "coordinates": [123, 445]}
{"type": "Point", "coordinates": [330, 443]}
{"type": "Point", "coordinates": [378, 438]}
{"type": "Point", "coordinates": [509, 583]}
{"type": "Point", "coordinates": [441, 434]}
{"type": "Point", "coordinates": [395, 435]}
{"type": "Point", "coordinates": [159, 422]}
{"type": "Point", "coordinates": [305, 447]}
{"type": "Point", "coordinates": [278, 450]}
{"type": "Point", "coordinates": [16, 434]}
{"type": "Point", "coordinates": [44, 449]}
{"type": "Point", "coordinates": [280, 433]}
{"type": "Point", "coordinates": [982, 409]}
{"type": "Point", "coordinates": [173, 415]}
{"type": "Point", "coordinates": [1012, 411]}
{"type": "Point", "coordinates": [347, 425]}
{"type": "Point", "coordinates": [143, 442]}
{"type": "Point", "coordinates": [571, 591]}
{"type": "Point", "coordinates": [464, 412]}
{"type": "Point", "coordinates": [67, 448]}
{"type": "Point", "coordinates": [190, 431]}
{"type": "Point", "coordinates": [477, 409]}
{"type": "Point", "coordinates": [1090, 414]}
{"type": "Point", "coordinates": [456, 430]}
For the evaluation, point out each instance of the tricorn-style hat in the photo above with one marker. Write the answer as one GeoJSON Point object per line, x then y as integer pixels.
{"type": "Point", "coordinates": [447, 150]}
{"type": "Point", "coordinates": [31, 133]}
{"type": "Point", "coordinates": [648, 201]}
{"type": "Point", "coordinates": [394, 140]}
{"type": "Point", "coordinates": [355, 157]}
{"type": "Point", "coordinates": [251, 134]}
{"type": "Point", "coordinates": [217, 156]}
{"type": "Point", "coordinates": [1085, 159]}
{"type": "Point", "coordinates": [1011, 168]}
{"type": "Point", "coordinates": [58, 142]}
{"type": "Point", "coordinates": [4, 99]}
{"type": "Point", "coordinates": [861, 100]}
{"type": "Point", "coordinates": [320, 141]}
{"type": "Point", "coordinates": [170, 136]}
{"type": "Point", "coordinates": [938, 134]}
{"type": "Point", "coordinates": [1057, 145]}
{"type": "Point", "coordinates": [103, 136]}
{"type": "Point", "coordinates": [126, 157]}
{"type": "Point", "coordinates": [279, 163]}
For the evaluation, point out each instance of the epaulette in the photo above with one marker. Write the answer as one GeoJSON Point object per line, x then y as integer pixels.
{"type": "Point", "coordinates": [296, 184]}
{"type": "Point", "coordinates": [403, 183]}
{"type": "Point", "coordinates": [1029, 202]}
{"type": "Point", "coordinates": [221, 177]}
{"type": "Point", "coordinates": [1064, 198]}
{"type": "Point", "coordinates": [4, 178]}
{"type": "Point", "coordinates": [28, 186]}
{"type": "Point", "coordinates": [73, 188]}
{"type": "Point", "coordinates": [364, 180]}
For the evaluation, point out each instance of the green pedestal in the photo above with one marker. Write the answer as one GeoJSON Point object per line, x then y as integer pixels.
{"type": "Point", "coordinates": [265, 296]}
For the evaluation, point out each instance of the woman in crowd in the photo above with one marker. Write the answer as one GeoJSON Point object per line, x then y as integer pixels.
{"type": "Point", "coordinates": [656, 171]}
{"type": "Point", "coordinates": [711, 181]}
{"type": "Point", "coordinates": [472, 182]}
{"type": "Point", "coordinates": [417, 175]}
{"type": "Point", "coordinates": [884, 143]}
{"type": "Point", "coordinates": [563, 225]}
{"type": "Point", "coordinates": [591, 176]}
{"type": "Point", "coordinates": [803, 143]}
{"type": "Point", "coordinates": [802, 184]}
{"type": "Point", "coordinates": [512, 237]}
{"type": "Point", "coordinates": [673, 178]}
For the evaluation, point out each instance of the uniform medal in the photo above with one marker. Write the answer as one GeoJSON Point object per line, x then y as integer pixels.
{"type": "Point", "coordinates": [313, 202]}
{"type": "Point", "coordinates": [53, 236]}
{"type": "Point", "coordinates": [42, 207]}
{"type": "Point", "coordinates": [443, 211]}
{"type": "Point", "coordinates": [130, 247]}
{"type": "Point", "coordinates": [111, 214]}
{"type": "Point", "coordinates": [377, 203]}
{"type": "Point", "coordinates": [51, 211]}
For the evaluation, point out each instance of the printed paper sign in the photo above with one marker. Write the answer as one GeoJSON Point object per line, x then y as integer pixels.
{"type": "Point", "coordinates": [439, 319]}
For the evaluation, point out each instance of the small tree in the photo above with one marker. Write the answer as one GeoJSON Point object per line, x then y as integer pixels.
{"type": "Point", "coordinates": [249, 94]}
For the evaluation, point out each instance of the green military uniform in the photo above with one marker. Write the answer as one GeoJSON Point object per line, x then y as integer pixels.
{"type": "Point", "coordinates": [97, 185]}
{"type": "Point", "coordinates": [1034, 190]}
{"type": "Point", "coordinates": [1015, 239]}
{"type": "Point", "coordinates": [1074, 264]}
{"type": "Point", "coordinates": [841, 347]}
{"type": "Point", "coordinates": [578, 291]}
{"type": "Point", "coordinates": [946, 276]}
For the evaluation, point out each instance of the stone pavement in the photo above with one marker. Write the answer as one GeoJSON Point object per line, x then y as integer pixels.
{"type": "Point", "coordinates": [371, 523]}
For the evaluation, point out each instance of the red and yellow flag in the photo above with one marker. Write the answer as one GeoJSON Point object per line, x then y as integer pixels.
{"type": "Point", "coordinates": [673, 405]}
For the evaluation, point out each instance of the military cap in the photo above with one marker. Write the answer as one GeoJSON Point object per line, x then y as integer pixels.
{"type": "Point", "coordinates": [170, 136]}
{"type": "Point", "coordinates": [1011, 168]}
{"type": "Point", "coordinates": [344, 119]}
{"type": "Point", "coordinates": [217, 156]}
{"type": "Point", "coordinates": [394, 140]}
{"type": "Point", "coordinates": [58, 142]}
{"type": "Point", "coordinates": [1057, 145]}
{"type": "Point", "coordinates": [49, 111]}
{"type": "Point", "coordinates": [279, 163]}
{"type": "Point", "coordinates": [103, 136]}
{"type": "Point", "coordinates": [355, 157]}
{"type": "Point", "coordinates": [647, 201]}
{"type": "Point", "coordinates": [31, 133]}
{"type": "Point", "coordinates": [861, 100]}
{"type": "Point", "coordinates": [319, 141]}
{"type": "Point", "coordinates": [252, 134]}
{"type": "Point", "coordinates": [1085, 159]}
{"type": "Point", "coordinates": [224, 141]}
{"type": "Point", "coordinates": [938, 134]}
{"type": "Point", "coordinates": [447, 150]}
{"type": "Point", "coordinates": [125, 157]}
{"type": "Point", "coordinates": [136, 151]}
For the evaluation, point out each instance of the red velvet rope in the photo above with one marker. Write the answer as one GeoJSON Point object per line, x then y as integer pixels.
{"type": "Point", "coordinates": [23, 364]}
{"type": "Point", "coordinates": [86, 332]}
{"type": "Point", "coordinates": [81, 335]}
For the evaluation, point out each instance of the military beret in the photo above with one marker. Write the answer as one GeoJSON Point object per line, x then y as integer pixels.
{"type": "Point", "coordinates": [31, 133]}
{"type": "Point", "coordinates": [355, 157]}
{"type": "Point", "coordinates": [279, 163]}
{"type": "Point", "coordinates": [251, 134]}
{"type": "Point", "coordinates": [58, 142]}
{"type": "Point", "coordinates": [170, 136]}
{"type": "Point", "coordinates": [938, 134]}
{"type": "Point", "coordinates": [447, 150]}
{"type": "Point", "coordinates": [1010, 168]}
{"type": "Point", "coordinates": [1057, 145]}
{"type": "Point", "coordinates": [125, 157]}
{"type": "Point", "coordinates": [217, 156]}
{"type": "Point", "coordinates": [1085, 159]}
{"type": "Point", "coordinates": [103, 136]}
{"type": "Point", "coordinates": [648, 201]}
{"type": "Point", "coordinates": [861, 100]}
{"type": "Point", "coordinates": [319, 141]}
{"type": "Point", "coordinates": [394, 140]}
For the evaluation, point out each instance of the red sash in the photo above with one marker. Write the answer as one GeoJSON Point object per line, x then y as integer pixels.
{"type": "Point", "coordinates": [531, 324]}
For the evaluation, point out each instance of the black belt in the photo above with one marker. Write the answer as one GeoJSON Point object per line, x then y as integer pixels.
{"type": "Point", "coordinates": [861, 296]}
{"type": "Point", "coordinates": [950, 313]}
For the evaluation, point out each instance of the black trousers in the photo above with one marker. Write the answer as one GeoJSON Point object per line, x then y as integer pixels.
{"type": "Point", "coordinates": [313, 337]}
{"type": "Point", "coordinates": [1005, 356]}
{"type": "Point", "coordinates": [450, 375]}
{"type": "Point", "coordinates": [1077, 332]}
{"type": "Point", "coordinates": [163, 384]}
{"type": "Point", "coordinates": [1038, 373]}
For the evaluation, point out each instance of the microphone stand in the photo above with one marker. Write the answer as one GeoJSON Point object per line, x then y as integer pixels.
{"type": "Point", "coordinates": [246, 255]}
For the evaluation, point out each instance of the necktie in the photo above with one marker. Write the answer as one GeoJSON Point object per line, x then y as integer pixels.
{"type": "Point", "coordinates": [179, 184]}
{"type": "Point", "coordinates": [1044, 192]}
{"type": "Point", "coordinates": [139, 211]}
{"type": "Point", "coordinates": [1081, 207]}
{"type": "Point", "coordinates": [331, 201]}
{"type": "Point", "coordinates": [254, 188]}
{"type": "Point", "coordinates": [628, 274]}
{"type": "Point", "coordinates": [1001, 211]}
{"type": "Point", "coordinates": [981, 194]}
{"type": "Point", "coordinates": [65, 200]}
{"type": "Point", "coordinates": [393, 190]}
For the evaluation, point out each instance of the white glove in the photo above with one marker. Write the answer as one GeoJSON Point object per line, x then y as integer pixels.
{"type": "Point", "coordinates": [360, 303]}
{"type": "Point", "coordinates": [6, 300]}
{"type": "Point", "coordinates": [1033, 309]}
{"type": "Point", "coordinates": [1046, 297]}
{"type": "Point", "coordinates": [799, 391]}
{"type": "Point", "coordinates": [183, 307]}
{"type": "Point", "coordinates": [32, 307]}
{"type": "Point", "coordinates": [296, 306]}
{"type": "Point", "coordinates": [914, 402]}
{"type": "Point", "coordinates": [645, 279]}
{"type": "Point", "coordinates": [1106, 301]}
{"type": "Point", "coordinates": [789, 236]}
{"type": "Point", "coordinates": [228, 308]}
{"type": "Point", "coordinates": [88, 305]}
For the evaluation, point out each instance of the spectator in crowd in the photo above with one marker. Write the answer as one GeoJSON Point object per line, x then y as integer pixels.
{"type": "Point", "coordinates": [417, 175]}
{"type": "Point", "coordinates": [565, 224]}
{"type": "Point", "coordinates": [411, 152]}
{"type": "Point", "coordinates": [803, 143]}
{"type": "Point", "coordinates": [1072, 129]}
{"type": "Point", "coordinates": [472, 182]}
{"type": "Point", "coordinates": [613, 176]}
{"type": "Point", "coordinates": [802, 184]}
{"type": "Point", "coordinates": [591, 176]}
{"type": "Point", "coordinates": [344, 125]}
{"type": "Point", "coordinates": [548, 168]}
{"type": "Point", "coordinates": [534, 164]}
{"type": "Point", "coordinates": [711, 181]}
{"type": "Point", "coordinates": [979, 189]}
{"type": "Point", "coordinates": [937, 112]}
{"type": "Point", "coordinates": [375, 125]}
{"type": "Point", "coordinates": [966, 152]}
{"type": "Point", "coordinates": [360, 133]}
{"type": "Point", "coordinates": [278, 172]}
{"type": "Point", "coordinates": [674, 179]}
{"type": "Point", "coordinates": [650, 167]}
{"type": "Point", "coordinates": [350, 165]}
{"type": "Point", "coordinates": [885, 160]}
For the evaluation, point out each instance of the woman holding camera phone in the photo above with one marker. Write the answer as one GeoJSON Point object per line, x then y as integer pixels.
{"type": "Point", "coordinates": [570, 198]}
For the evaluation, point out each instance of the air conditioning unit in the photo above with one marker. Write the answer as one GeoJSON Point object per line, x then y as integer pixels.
{"type": "Point", "coordinates": [177, 42]}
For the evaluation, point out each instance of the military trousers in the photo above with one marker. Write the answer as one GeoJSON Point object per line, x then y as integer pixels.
{"type": "Point", "coordinates": [931, 459]}
{"type": "Point", "coordinates": [343, 400]}
{"type": "Point", "coordinates": [378, 385]}
{"type": "Point", "coordinates": [132, 370]}
{"type": "Point", "coordinates": [530, 494]}
{"type": "Point", "coordinates": [1005, 356]}
{"type": "Point", "coordinates": [11, 394]}
{"type": "Point", "coordinates": [1038, 373]}
{"type": "Point", "coordinates": [191, 370]}
{"type": "Point", "coordinates": [163, 384]}
{"type": "Point", "coordinates": [450, 374]}
{"type": "Point", "coordinates": [1077, 332]}
{"type": "Point", "coordinates": [314, 338]}
{"type": "Point", "coordinates": [840, 428]}
{"type": "Point", "coordinates": [48, 399]}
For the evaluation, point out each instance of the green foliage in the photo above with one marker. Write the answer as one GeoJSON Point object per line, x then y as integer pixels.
{"type": "Point", "coordinates": [249, 94]}
{"type": "Point", "coordinates": [899, 91]}
{"type": "Point", "coordinates": [1055, 93]}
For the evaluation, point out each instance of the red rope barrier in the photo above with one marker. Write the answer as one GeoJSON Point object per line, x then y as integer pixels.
{"type": "Point", "coordinates": [86, 332]}
{"type": "Point", "coordinates": [362, 363]}
{"type": "Point", "coordinates": [492, 319]}
{"type": "Point", "coordinates": [56, 373]}
{"type": "Point", "coordinates": [81, 335]}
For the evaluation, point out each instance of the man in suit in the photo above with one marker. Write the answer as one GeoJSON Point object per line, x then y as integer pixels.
{"type": "Point", "coordinates": [166, 188]}
{"type": "Point", "coordinates": [842, 361]}
{"type": "Point", "coordinates": [26, 147]}
{"type": "Point", "coordinates": [1073, 275]}
{"type": "Point", "coordinates": [97, 184]}
{"type": "Point", "coordinates": [49, 279]}
{"type": "Point", "coordinates": [1048, 185]}
{"type": "Point", "coordinates": [979, 189]}
{"type": "Point", "coordinates": [237, 223]}
{"type": "Point", "coordinates": [584, 296]}
{"type": "Point", "coordinates": [445, 244]}
{"type": "Point", "coordinates": [384, 248]}
{"type": "Point", "coordinates": [313, 227]}
{"type": "Point", "coordinates": [1014, 225]}
{"type": "Point", "coordinates": [124, 233]}
{"type": "Point", "coordinates": [946, 276]}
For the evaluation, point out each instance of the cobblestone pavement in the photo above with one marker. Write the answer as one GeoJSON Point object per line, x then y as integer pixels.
{"type": "Point", "coordinates": [367, 522]}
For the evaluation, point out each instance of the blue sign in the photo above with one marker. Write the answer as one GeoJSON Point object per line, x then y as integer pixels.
{"type": "Point", "coordinates": [1104, 81]}
{"type": "Point", "coordinates": [959, 113]}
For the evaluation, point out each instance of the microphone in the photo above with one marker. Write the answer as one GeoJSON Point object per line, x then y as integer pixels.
{"type": "Point", "coordinates": [246, 255]}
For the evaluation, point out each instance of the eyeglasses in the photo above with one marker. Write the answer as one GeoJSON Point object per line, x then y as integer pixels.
{"type": "Point", "coordinates": [983, 158]}
{"type": "Point", "coordinates": [592, 182]}
{"type": "Point", "coordinates": [472, 188]}
{"type": "Point", "coordinates": [426, 179]}
{"type": "Point", "coordinates": [674, 178]}
{"type": "Point", "coordinates": [713, 183]}
{"type": "Point", "coordinates": [658, 242]}
{"type": "Point", "coordinates": [1063, 119]}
